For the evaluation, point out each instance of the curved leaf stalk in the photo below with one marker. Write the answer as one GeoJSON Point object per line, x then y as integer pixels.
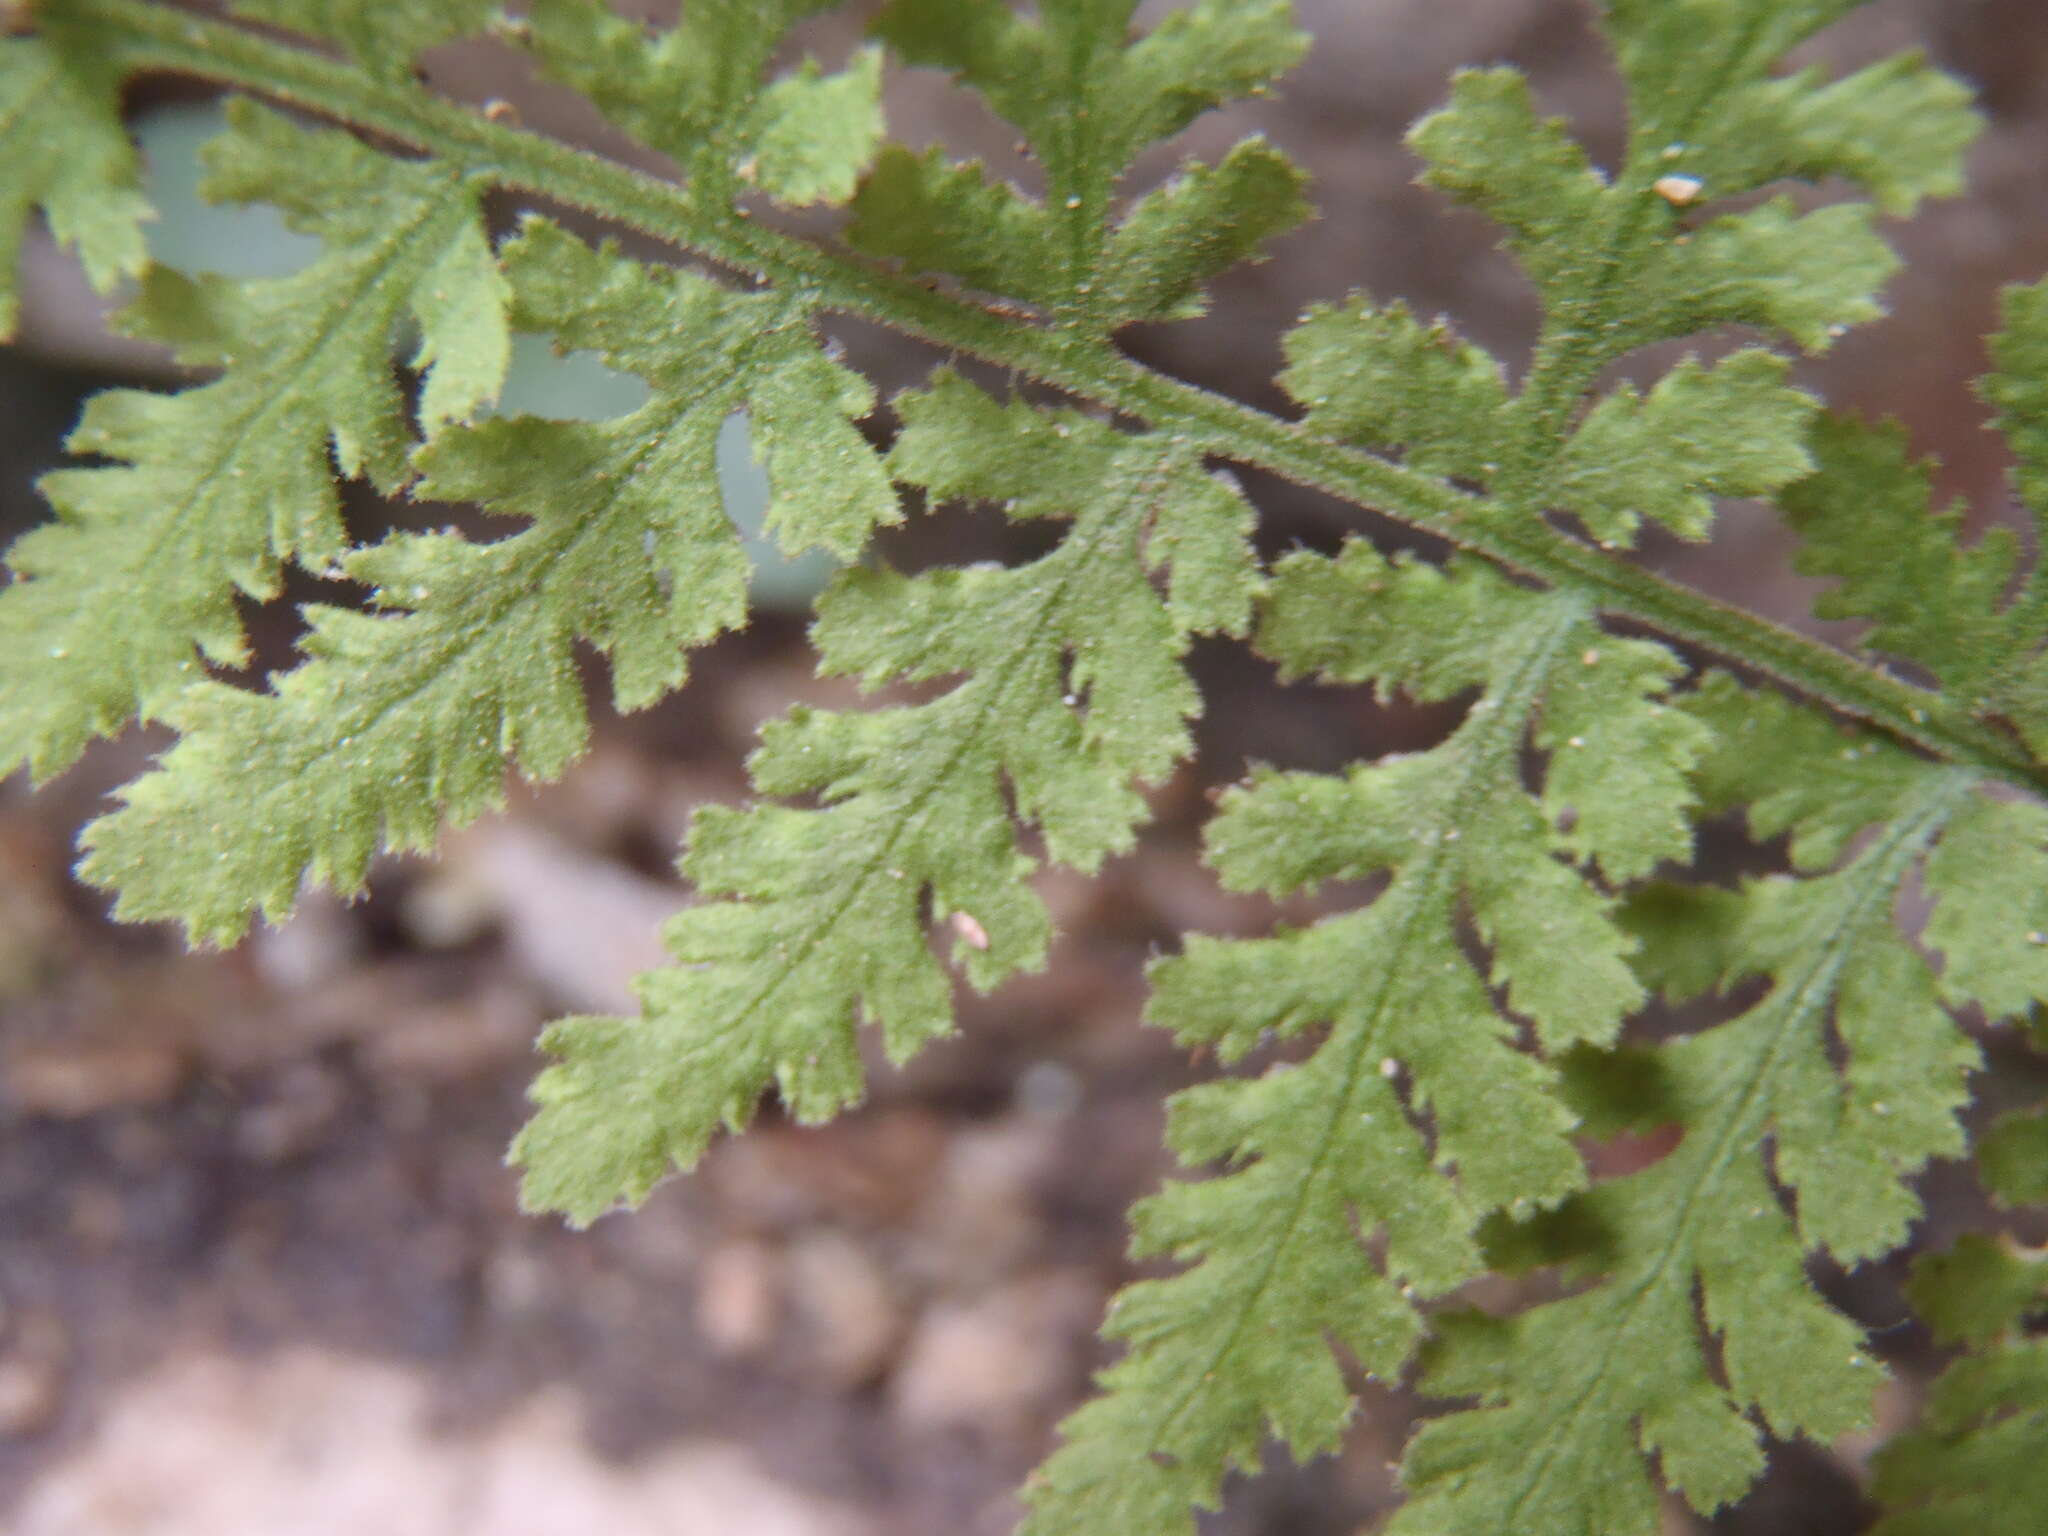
{"type": "Point", "coordinates": [141, 36]}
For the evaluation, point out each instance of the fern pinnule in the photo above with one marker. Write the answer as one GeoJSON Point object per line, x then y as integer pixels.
{"type": "Point", "coordinates": [217, 486]}
{"type": "Point", "coordinates": [1071, 689]}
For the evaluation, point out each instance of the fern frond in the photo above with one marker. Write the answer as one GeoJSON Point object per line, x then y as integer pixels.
{"type": "Point", "coordinates": [219, 484]}
{"type": "Point", "coordinates": [696, 92]}
{"type": "Point", "coordinates": [1866, 516]}
{"type": "Point", "coordinates": [1701, 1314]}
{"type": "Point", "coordinates": [1071, 688]}
{"type": "Point", "coordinates": [2014, 1156]}
{"type": "Point", "coordinates": [1445, 1046]}
{"type": "Point", "coordinates": [1087, 98]}
{"type": "Point", "coordinates": [1322, 1153]}
{"type": "Point", "coordinates": [1974, 1463]}
{"type": "Point", "coordinates": [63, 152]}
{"type": "Point", "coordinates": [1980, 1289]}
{"type": "Point", "coordinates": [1625, 260]}
{"type": "Point", "coordinates": [1974, 1460]}
{"type": "Point", "coordinates": [1708, 120]}
{"type": "Point", "coordinates": [404, 720]}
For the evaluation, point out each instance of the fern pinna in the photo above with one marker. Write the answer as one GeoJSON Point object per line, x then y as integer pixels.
{"type": "Point", "coordinates": [1488, 1012]}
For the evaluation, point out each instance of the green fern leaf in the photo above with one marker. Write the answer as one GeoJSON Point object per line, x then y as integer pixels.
{"type": "Point", "coordinates": [1866, 517]}
{"type": "Point", "coordinates": [1701, 83]}
{"type": "Point", "coordinates": [1433, 1060]}
{"type": "Point", "coordinates": [404, 720]}
{"type": "Point", "coordinates": [1238, 1345]}
{"type": "Point", "coordinates": [1623, 261]}
{"type": "Point", "coordinates": [1731, 430]}
{"type": "Point", "coordinates": [2017, 390]}
{"type": "Point", "coordinates": [1979, 1289]}
{"type": "Point", "coordinates": [1974, 1461]}
{"type": "Point", "coordinates": [696, 92]}
{"type": "Point", "coordinates": [1202, 223]}
{"type": "Point", "coordinates": [1381, 378]}
{"type": "Point", "coordinates": [64, 152]}
{"type": "Point", "coordinates": [1087, 99]}
{"type": "Point", "coordinates": [222, 482]}
{"type": "Point", "coordinates": [1626, 260]}
{"type": "Point", "coordinates": [2013, 1157]}
{"type": "Point", "coordinates": [815, 919]}
{"type": "Point", "coordinates": [385, 35]}
{"type": "Point", "coordinates": [1989, 878]}
{"type": "Point", "coordinates": [936, 215]}
{"type": "Point", "coordinates": [1769, 267]}
{"type": "Point", "coordinates": [1490, 150]}
{"type": "Point", "coordinates": [815, 134]}
{"type": "Point", "coordinates": [1573, 1391]}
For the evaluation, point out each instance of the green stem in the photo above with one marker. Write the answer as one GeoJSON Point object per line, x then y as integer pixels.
{"type": "Point", "coordinates": [151, 36]}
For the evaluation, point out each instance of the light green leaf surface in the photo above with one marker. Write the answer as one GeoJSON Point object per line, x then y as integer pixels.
{"type": "Point", "coordinates": [815, 920]}
{"type": "Point", "coordinates": [1867, 518]}
{"type": "Point", "coordinates": [814, 134]}
{"type": "Point", "coordinates": [1643, 254]}
{"type": "Point", "coordinates": [1706, 99]}
{"type": "Point", "coordinates": [1381, 378]}
{"type": "Point", "coordinates": [405, 719]}
{"type": "Point", "coordinates": [698, 92]}
{"type": "Point", "coordinates": [1322, 1153]}
{"type": "Point", "coordinates": [214, 487]}
{"type": "Point", "coordinates": [63, 152]}
{"type": "Point", "coordinates": [1574, 230]}
{"type": "Point", "coordinates": [1088, 95]}
{"type": "Point", "coordinates": [1489, 149]}
{"type": "Point", "coordinates": [939, 215]}
{"type": "Point", "coordinates": [1989, 879]}
{"type": "Point", "coordinates": [1638, 256]}
{"type": "Point", "coordinates": [1198, 226]}
{"type": "Point", "coordinates": [1730, 430]}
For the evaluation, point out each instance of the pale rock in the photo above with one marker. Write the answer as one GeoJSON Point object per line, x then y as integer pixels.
{"type": "Point", "coordinates": [580, 925]}
{"type": "Point", "coordinates": [68, 1081]}
{"type": "Point", "coordinates": [849, 1307]}
{"type": "Point", "coordinates": [317, 1444]}
{"type": "Point", "coordinates": [981, 1218]}
{"type": "Point", "coordinates": [1001, 1363]}
{"type": "Point", "coordinates": [31, 1392]}
{"type": "Point", "coordinates": [455, 1041]}
{"type": "Point", "coordinates": [739, 1297]}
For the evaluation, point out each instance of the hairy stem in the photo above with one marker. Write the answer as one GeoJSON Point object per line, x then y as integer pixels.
{"type": "Point", "coordinates": [150, 36]}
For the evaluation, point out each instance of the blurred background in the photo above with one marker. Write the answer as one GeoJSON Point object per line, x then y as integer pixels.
{"type": "Point", "coordinates": [261, 1267]}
